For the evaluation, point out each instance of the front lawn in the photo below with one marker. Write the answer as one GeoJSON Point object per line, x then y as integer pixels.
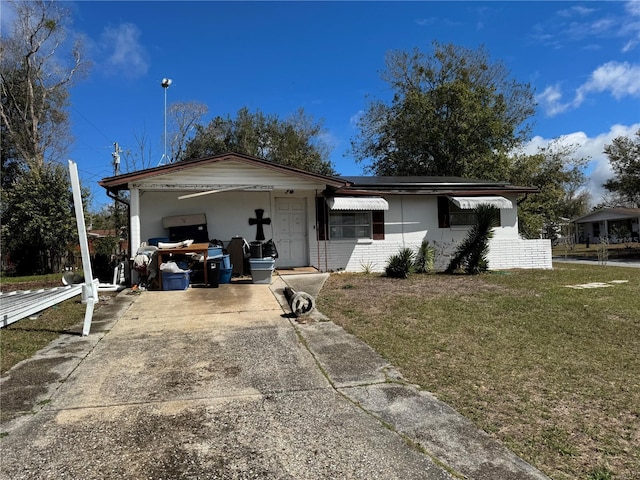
{"type": "Point", "coordinates": [551, 371]}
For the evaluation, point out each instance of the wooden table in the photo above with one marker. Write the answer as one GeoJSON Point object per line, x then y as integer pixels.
{"type": "Point", "coordinates": [202, 248]}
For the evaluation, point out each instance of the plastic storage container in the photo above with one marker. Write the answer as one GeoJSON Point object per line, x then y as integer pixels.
{"type": "Point", "coordinates": [214, 252]}
{"type": "Point", "coordinates": [261, 269]}
{"type": "Point", "coordinates": [225, 261]}
{"type": "Point", "coordinates": [175, 281]}
{"type": "Point", "coordinates": [225, 275]}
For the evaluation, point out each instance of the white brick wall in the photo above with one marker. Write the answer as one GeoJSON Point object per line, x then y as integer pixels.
{"type": "Point", "coordinates": [354, 256]}
{"type": "Point", "coordinates": [518, 253]}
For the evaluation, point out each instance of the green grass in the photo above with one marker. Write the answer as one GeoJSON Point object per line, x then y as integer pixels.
{"type": "Point", "coordinates": [551, 371]}
{"type": "Point", "coordinates": [43, 279]}
{"type": "Point", "coordinates": [22, 339]}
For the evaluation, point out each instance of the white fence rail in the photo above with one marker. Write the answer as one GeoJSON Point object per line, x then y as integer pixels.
{"type": "Point", "coordinates": [17, 305]}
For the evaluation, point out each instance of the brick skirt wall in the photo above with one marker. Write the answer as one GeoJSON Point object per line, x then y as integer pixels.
{"type": "Point", "coordinates": [373, 256]}
{"type": "Point", "coordinates": [506, 254]}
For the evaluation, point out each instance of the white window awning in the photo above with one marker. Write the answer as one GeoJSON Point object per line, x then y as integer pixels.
{"type": "Point", "coordinates": [357, 203]}
{"type": "Point", "coordinates": [469, 203]}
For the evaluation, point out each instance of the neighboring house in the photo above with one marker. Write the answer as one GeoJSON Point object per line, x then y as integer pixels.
{"type": "Point", "coordinates": [331, 223]}
{"type": "Point", "coordinates": [617, 224]}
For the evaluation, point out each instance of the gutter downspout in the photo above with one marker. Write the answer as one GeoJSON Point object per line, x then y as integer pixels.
{"type": "Point", "coordinates": [111, 195]}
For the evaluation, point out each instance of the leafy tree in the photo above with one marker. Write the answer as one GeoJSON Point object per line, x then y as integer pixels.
{"type": "Point", "coordinates": [472, 251]}
{"type": "Point", "coordinates": [453, 113]}
{"type": "Point", "coordinates": [296, 141]}
{"type": "Point", "coordinates": [35, 83]}
{"type": "Point", "coordinates": [37, 219]}
{"type": "Point", "coordinates": [559, 175]}
{"type": "Point", "coordinates": [624, 156]}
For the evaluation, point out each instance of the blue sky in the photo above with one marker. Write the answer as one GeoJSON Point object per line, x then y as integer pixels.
{"type": "Point", "coordinates": [582, 59]}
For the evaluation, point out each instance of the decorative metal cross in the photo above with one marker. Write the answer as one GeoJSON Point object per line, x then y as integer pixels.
{"type": "Point", "coordinates": [259, 221]}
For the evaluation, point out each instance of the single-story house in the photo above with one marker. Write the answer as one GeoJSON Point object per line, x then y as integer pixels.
{"type": "Point", "coordinates": [330, 223]}
{"type": "Point", "coordinates": [617, 224]}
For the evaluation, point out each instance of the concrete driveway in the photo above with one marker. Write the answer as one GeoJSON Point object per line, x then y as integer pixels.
{"type": "Point", "coordinates": [222, 384]}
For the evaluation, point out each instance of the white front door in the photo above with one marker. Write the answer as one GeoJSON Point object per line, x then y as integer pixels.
{"type": "Point", "coordinates": [291, 232]}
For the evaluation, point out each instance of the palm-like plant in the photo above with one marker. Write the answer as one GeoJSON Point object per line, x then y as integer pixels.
{"type": "Point", "coordinates": [472, 252]}
{"type": "Point", "coordinates": [425, 258]}
{"type": "Point", "coordinates": [400, 265]}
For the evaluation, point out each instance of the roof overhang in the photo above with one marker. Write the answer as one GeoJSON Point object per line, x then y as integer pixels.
{"type": "Point", "coordinates": [469, 203]}
{"type": "Point", "coordinates": [357, 203]}
{"type": "Point", "coordinates": [147, 177]}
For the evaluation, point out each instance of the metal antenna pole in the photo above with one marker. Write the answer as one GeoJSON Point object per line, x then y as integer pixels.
{"type": "Point", "coordinates": [165, 85]}
{"type": "Point", "coordinates": [116, 158]}
{"type": "Point", "coordinates": [116, 214]}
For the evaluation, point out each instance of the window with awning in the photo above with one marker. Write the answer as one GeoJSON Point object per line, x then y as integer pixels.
{"type": "Point", "coordinates": [342, 218]}
{"type": "Point", "coordinates": [456, 211]}
{"type": "Point", "coordinates": [357, 203]}
{"type": "Point", "coordinates": [469, 203]}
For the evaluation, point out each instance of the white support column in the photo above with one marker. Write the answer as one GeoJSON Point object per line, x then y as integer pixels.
{"type": "Point", "coordinates": [134, 207]}
{"type": "Point", "coordinates": [90, 287]}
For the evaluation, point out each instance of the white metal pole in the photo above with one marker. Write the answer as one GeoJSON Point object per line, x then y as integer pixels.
{"type": "Point", "coordinates": [90, 289]}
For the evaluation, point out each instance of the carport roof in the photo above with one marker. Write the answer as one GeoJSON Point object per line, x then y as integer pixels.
{"type": "Point", "coordinates": [121, 182]}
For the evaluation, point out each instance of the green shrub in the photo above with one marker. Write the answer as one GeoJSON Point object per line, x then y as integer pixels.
{"type": "Point", "coordinates": [425, 258]}
{"type": "Point", "coordinates": [400, 265]}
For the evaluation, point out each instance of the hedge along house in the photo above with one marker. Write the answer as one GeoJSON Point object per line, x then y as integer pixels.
{"type": "Point", "coordinates": [330, 223]}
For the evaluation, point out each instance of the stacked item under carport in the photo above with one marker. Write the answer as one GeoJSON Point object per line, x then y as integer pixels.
{"type": "Point", "coordinates": [262, 262]}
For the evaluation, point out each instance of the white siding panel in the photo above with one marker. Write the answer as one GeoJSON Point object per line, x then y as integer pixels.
{"type": "Point", "coordinates": [229, 173]}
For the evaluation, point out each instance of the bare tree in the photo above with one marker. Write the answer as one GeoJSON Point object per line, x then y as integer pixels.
{"type": "Point", "coordinates": [35, 82]}
{"type": "Point", "coordinates": [183, 118]}
{"type": "Point", "coordinates": [141, 157]}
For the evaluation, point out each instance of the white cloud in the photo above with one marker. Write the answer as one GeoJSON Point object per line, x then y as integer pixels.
{"type": "Point", "coordinates": [355, 118]}
{"type": "Point", "coordinates": [579, 23]}
{"type": "Point", "coordinates": [551, 100]}
{"type": "Point", "coordinates": [125, 54]}
{"type": "Point", "coordinates": [620, 79]}
{"type": "Point", "coordinates": [633, 8]}
{"type": "Point", "coordinates": [631, 27]}
{"type": "Point", "coordinates": [599, 169]}
{"type": "Point", "coordinates": [575, 10]}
